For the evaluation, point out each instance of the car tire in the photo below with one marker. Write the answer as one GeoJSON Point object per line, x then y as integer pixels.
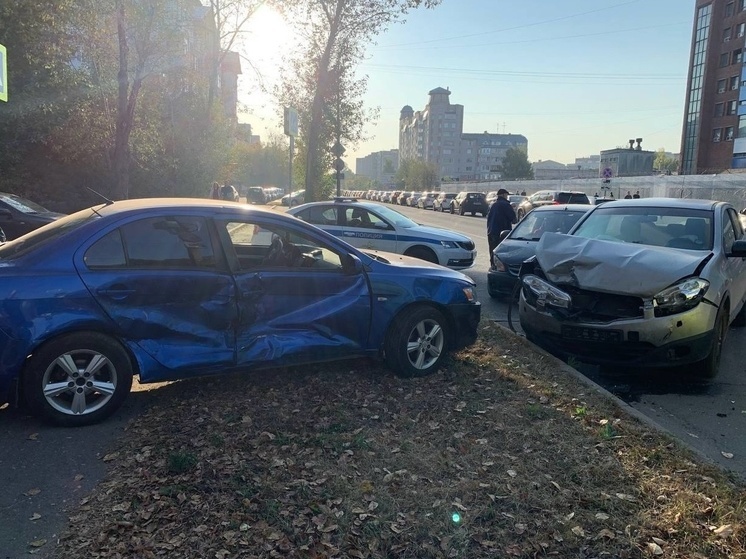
{"type": "Point", "coordinates": [77, 379]}
{"type": "Point", "coordinates": [416, 342]}
{"type": "Point", "coordinates": [709, 366]}
{"type": "Point", "coordinates": [739, 321]}
{"type": "Point", "coordinates": [423, 253]}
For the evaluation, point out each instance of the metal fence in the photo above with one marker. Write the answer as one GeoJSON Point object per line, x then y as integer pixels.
{"type": "Point", "coordinates": [725, 187]}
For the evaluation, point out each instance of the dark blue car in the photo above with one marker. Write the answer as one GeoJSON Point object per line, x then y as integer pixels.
{"type": "Point", "coordinates": [173, 288]}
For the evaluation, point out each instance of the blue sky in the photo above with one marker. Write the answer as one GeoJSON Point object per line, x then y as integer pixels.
{"type": "Point", "coordinates": [573, 76]}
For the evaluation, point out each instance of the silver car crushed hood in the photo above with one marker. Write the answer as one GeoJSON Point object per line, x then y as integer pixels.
{"type": "Point", "coordinates": [614, 267]}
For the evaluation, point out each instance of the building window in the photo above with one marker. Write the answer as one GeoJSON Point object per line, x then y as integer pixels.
{"type": "Point", "coordinates": [721, 86]}
{"type": "Point", "coordinates": [737, 56]}
{"type": "Point", "coordinates": [731, 107]}
{"type": "Point", "coordinates": [719, 109]}
{"type": "Point", "coordinates": [724, 58]}
{"type": "Point", "coordinates": [740, 29]}
{"type": "Point", "coordinates": [716, 134]}
{"type": "Point", "coordinates": [742, 126]}
{"type": "Point", "coordinates": [729, 9]}
{"type": "Point", "coordinates": [733, 83]}
{"type": "Point", "coordinates": [691, 133]}
{"type": "Point", "coordinates": [726, 34]}
{"type": "Point", "coordinates": [729, 133]}
{"type": "Point", "coordinates": [741, 5]}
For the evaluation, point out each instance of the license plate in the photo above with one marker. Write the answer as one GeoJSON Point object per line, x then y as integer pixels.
{"type": "Point", "coordinates": [591, 334]}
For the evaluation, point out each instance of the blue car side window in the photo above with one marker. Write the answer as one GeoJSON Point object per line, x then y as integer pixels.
{"type": "Point", "coordinates": [107, 252]}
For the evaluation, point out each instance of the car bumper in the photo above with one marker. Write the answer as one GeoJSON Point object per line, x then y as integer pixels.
{"type": "Point", "coordinates": [648, 342]}
{"type": "Point", "coordinates": [465, 321]}
{"type": "Point", "coordinates": [500, 283]}
{"type": "Point", "coordinates": [457, 259]}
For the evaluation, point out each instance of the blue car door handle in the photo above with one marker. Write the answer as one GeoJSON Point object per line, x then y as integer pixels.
{"type": "Point", "coordinates": [116, 292]}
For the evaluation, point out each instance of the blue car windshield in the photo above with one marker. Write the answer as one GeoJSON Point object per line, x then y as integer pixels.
{"type": "Point", "coordinates": [29, 241]}
{"type": "Point", "coordinates": [683, 228]}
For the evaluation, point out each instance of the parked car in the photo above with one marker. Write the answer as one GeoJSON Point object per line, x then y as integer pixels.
{"type": "Point", "coordinates": [640, 283]}
{"type": "Point", "coordinates": [229, 192]}
{"type": "Point", "coordinates": [470, 203]}
{"type": "Point", "coordinates": [519, 244]}
{"type": "Point", "coordinates": [516, 200]}
{"type": "Point", "coordinates": [426, 201]}
{"type": "Point", "coordinates": [18, 215]}
{"type": "Point", "coordinates": [256, 195]}
{"type": "Point", "coordinates": [175, 288]}
{"type": "Point", "coordinates": [403, 198]}
{"type": "Point", "coordinates": [443, 202]}
{"type": "Point", "coordinates": [371, 226]}
{"type": "Point", "coordinates": [548, 197]}
{"type": "Point", "coordinates": [294, 198]}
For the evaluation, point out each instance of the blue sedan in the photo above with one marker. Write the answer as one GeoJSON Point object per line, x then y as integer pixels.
{"type": "Point", "coordinates": [173, 288]}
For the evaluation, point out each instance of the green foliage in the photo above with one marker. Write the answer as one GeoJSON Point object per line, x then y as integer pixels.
{"type": "Point", "coordinates": [414, 174]}
{"type": "Point", "coordinates": [516, 165]}
{"type": "Point", "coordinates": [664, 163]}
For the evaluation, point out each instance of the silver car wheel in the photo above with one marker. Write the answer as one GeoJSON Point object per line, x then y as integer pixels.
{"type": "Point", "coordinates": [79, 382]}
{"type": "Point", "coordinates": [426, 343]}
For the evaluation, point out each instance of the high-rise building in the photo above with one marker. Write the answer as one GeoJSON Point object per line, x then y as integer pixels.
{"type": "Point", "coordinates": [435, 135]}
{"type": "Point", "coordinates": [380, 166]}
{"type": "Point", "coordinates": [713, 137]}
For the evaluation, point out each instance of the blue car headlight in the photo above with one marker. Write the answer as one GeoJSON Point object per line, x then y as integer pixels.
{"type": "Point", "coordinates": [449, 244]}
{"type": "Point", "coordinates": [545, 293]}
{"type": "Point", "coordinates": [680, 297]}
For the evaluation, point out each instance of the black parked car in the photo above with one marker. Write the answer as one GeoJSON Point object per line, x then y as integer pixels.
{"type": "Point", "coordinates": [470, 202]}
{"type": "Point", "coordinates": [18, 216]}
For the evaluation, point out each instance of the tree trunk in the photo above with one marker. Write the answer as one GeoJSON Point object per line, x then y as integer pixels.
{"type": "Point", "coordinates": [314, 171]}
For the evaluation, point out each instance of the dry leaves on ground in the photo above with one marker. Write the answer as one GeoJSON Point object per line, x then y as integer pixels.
{"type": "Point", "coordinates": [503, 454]}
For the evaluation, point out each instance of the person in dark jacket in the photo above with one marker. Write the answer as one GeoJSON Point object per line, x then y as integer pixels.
{"type": "Point", "coordinates": [501, 217]}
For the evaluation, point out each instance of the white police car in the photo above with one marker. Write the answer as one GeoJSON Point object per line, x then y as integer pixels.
{"type": "Point", "coordinates": [367, 225]}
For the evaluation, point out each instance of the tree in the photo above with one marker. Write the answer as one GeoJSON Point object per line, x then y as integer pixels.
{"type": "Point", "coordinates": [663, 163]}
{"type": "Point", "coordinates": [414, 174]}
{"type": "Point", "coordinates": [515, 165]}
{"type": "Point", "coordinates": [329, 95]}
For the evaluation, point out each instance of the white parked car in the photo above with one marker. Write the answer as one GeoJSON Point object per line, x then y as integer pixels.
{"type": "Point", "coordinates": [367, 225]}
{"type": "Point", "coordinates": [652, 282]}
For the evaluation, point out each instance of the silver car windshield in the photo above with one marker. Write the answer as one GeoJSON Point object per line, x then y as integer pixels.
{"type": "Point", "coordinates": [681, 228]}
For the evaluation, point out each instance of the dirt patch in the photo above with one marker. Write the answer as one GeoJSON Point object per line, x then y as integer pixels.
{"type": "Point", "coordinates": [503, 454]}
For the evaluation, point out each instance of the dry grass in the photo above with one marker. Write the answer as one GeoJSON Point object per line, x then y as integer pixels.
{"type": "Point", "coordinates": [504, 454]}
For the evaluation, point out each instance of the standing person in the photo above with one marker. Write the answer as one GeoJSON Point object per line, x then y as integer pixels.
{"type": "Point", "coordinates": [628, 196]}
{"type": "Point", "coordinates": [215, 191]}
{"type": "Point", "coordinates": [636, 194]}
{"type": "Point", "coordinates": [501, 217]}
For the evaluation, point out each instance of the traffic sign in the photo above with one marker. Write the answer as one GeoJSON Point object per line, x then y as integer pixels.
{"type": "Point", "coordinates": [338, 149]}
{"type": "Point", "coordinates": [3, 74]}
{"type": "Point", "coordinates": [339, 165]}
{"type": "Point", "coordinates": [608, 173]}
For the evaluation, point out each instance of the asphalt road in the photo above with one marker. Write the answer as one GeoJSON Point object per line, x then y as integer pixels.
{"type": "Point", "coordinates": [45, 470]}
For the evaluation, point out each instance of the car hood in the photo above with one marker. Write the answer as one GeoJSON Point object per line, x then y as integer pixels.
{"type": "Point", "coordinates": [416, 264]}
{"type": "Point", "coordinates": [613, 267]}
{"type": "Point", "coordinates": [512, 251]}
{"type": "Point", "coordinates": [437, 233]}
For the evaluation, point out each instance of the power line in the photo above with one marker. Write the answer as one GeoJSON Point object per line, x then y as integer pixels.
{"type": "Point", "coordinates": [440, 40]}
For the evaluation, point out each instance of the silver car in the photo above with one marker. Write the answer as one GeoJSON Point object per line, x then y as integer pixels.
{"type": "Point", "coordinates": [641, 283]}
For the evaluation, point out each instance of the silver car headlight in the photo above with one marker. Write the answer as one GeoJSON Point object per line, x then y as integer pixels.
{"type": "Point", "coordinates": [680, 297]}
{"type": "Point", "coordinates": [449, 244]}
{"type": "Point", "coordinates": [545, 293]}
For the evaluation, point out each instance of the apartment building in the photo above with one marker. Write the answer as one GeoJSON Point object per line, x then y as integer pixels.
{"type": "Point", "coordinates": [380, 166]}
{"type": "Point", "coordinates": [714, 130]}
{"type": "Point", "coordinates": [435, 134]}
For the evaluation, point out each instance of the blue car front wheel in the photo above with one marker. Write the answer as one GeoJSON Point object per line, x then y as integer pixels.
{"type": "Point", "coordinates": [417, 342]}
